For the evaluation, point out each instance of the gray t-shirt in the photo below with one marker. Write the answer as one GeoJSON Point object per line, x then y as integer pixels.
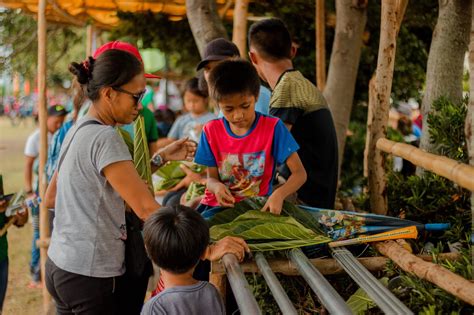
{"type": "Point", "coordinates": [185, 125]}
{"type": "Point", "coordinates": [197, 299]}
{"type": "Point", "coordinates": [89, 225]}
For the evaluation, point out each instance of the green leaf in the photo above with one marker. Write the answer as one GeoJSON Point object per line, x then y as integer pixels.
{"type": "Point", "coordinates": [127, 139]}
{"type": "Point", "coordinates": [141, 155]}
{"type": "Point", "coordinates": [195, 190]}
{"type": "Point", "coordinates": [277, 232]}
{"type": "Point", "coordinates": [171, 174]}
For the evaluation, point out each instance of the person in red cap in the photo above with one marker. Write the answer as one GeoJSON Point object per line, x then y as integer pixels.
{"type": "Point", "coordinates": [94, 180]}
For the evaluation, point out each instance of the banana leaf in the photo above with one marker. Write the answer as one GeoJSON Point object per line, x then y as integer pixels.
{"type": "Point", "coordinates": [220, 216]}
{"type": "Point", "coordinates": [141, 155]}
{"type": "Point", "coordinates": [264, 231]}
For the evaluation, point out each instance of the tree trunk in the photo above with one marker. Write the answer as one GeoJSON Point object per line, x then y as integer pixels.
{"type": "Point", "coordinates": [239, 32]}
{"type": "Point", "coordinates": [342, 74]}
{"type": "Point", "coordinates": [204, 21]}
{"type": "Point", "coordinates": [320, 45]}
{"type": "Point", "coordinates": [391, 17]}
{"type": "Point", "coordinates": [470, 116]}
{"type": "Point", "coordinates": [441, 277]}
{"type": "Point", "coordinates": [446, 58]}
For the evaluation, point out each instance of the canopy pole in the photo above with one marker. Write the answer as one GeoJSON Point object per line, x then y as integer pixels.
{"type": "Point", "coordinates": [91, 40]}
{"type": "Point", "coordinates": [320, 45]}
{"type": "Point", "coordinates": [239, 32]}
{"type": "Point", "coordinates": [328, 296]}
{"type": "Point", "coordinates": [43, 152]}
{"type": "Point", "coordinates": [243, 296]}
{"type": "Point", "coordinates": [278, 292]}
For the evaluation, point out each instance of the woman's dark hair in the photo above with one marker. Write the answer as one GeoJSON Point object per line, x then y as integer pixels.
{"type": "Point", "coordinates": [112, 68]}
{"type": "Point", "coordinates": [271, 39]}
{"type": "Point", "coordinates": [192, 86]}
{"type": "Point", "coordinates": [176, 238]}
{"type": "Point", "coordinates": [233, 76]}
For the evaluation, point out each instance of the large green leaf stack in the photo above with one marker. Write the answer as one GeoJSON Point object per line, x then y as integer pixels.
{"type": "Point", "coordinates": [264, 231]}
{"type": "Point", "coordinates": [141, 155]}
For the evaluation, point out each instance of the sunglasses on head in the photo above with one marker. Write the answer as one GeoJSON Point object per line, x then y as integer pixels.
{"type": "Point", "coordinates": [137, 97]}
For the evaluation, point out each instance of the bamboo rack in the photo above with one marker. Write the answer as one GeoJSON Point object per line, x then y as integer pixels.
{"type": "Point", "coordinates": [459, 173]}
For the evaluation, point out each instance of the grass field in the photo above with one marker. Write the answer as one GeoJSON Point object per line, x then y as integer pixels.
{"type": "Point", "coordinates": [19, 299]}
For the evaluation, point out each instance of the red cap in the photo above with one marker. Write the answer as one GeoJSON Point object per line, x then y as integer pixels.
{"type": "Point", "coordinates": [125, 47]}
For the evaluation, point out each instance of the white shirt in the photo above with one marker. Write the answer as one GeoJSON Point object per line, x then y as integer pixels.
{"type": "Point", "coordinates": [33, 143]}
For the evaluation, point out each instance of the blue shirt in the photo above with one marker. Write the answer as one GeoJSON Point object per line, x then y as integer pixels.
{"type": "Point", "coordinates": [55, 147]}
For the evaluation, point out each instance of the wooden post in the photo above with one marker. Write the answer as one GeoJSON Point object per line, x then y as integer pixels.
{"type": "Point", "coordinates": [90, 44]}
{"type": "Point", "coordinates": [219, 280]}
{"type": "Point", "coordinates": [470, 118]}
{"type": "Point", "coordinates": [320, 45]}
{"type": "Point", "coordinates": [239, 32]}
{"type": "Point", "coordinates": [42, 115]}
{"type": "Point", "coordinates": [441, 277]}
{"type": "Point", "coordinates": [391, 17]}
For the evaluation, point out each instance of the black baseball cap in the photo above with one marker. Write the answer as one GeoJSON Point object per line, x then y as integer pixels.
{"type": "Point", "coordinates": [57, 110]}
{"type": "Point", "coordinates": [218, 49]}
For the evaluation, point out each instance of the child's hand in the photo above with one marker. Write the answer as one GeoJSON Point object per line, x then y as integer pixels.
{"type": "Point", "coordinates": [274, 203]}
{"type": "Point", "coordinates": [223, 195]}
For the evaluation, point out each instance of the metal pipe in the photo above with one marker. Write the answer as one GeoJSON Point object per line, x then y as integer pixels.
{"type": "Point", "coordinates": [384, 299]}
{"type": "Point", "coordinates": [243, 295]}
{"type": "Point", "coordinates": [329, 298]}
{"type": "Point", "coordinates": [279, 294]}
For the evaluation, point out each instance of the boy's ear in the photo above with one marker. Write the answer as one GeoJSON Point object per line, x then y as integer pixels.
{"type": "Point", "coordinates": [253, 57]}
{"type": "Point", "coordinates": [294, 50]}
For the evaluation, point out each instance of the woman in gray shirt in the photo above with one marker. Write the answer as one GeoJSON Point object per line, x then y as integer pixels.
{"type": "Point", "coordinates": [94, 180]}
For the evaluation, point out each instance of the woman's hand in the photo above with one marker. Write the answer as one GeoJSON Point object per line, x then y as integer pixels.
{"type": "Point", "coordinates": [274, 203]}
{"type": "Point", "coordinates": [227, 245]}
{"type": "Point", "coordinates": [179, 150]}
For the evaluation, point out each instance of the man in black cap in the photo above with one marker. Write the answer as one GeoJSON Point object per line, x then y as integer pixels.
{"type": "Point", "coordinates": [221, 49]}
{"type": "Point", "coordinates": [56, 115]}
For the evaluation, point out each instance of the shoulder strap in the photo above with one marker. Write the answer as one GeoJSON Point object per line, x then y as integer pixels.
{"type": "Point", "coordinates": [89, 122]}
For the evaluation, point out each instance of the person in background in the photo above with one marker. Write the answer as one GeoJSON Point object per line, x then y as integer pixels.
{"type": "Point", "coordinates": [196, 104]}
{"type": "Point", "coordinates": [301, 106]}
{"type": "Point", "coordinates": [221, 49]}
{"type": "Point", "coordinates": [56, 116]}
{"type": "Point", "coordinates": [176, 239]}
{"type": "Point", "coordinates": [20, 219]}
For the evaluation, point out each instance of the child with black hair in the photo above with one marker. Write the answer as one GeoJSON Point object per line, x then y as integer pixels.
{"type": "Point", "coordinates": [242, 149]}
{"type": "Point", "coordinates": [196, 104]}
{"type": "Point", "coordinates": [176, 239]}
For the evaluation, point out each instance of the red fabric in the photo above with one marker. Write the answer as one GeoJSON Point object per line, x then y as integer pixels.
{"type": "Point", "coordinates": [160, 287]}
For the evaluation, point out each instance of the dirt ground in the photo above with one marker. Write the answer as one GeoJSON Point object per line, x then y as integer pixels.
{"type": "Point", "coordinates": [19, 299]}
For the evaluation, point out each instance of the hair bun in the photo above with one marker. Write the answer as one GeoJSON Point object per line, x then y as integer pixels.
{"type": "Point", "coordinates": [82, 71]}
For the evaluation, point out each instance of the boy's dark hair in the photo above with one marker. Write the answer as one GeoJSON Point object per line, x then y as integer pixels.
{"type": "Point", "coordinates": [192, 85]}
{"type": "Point", "coordinates": [234, 76]}
{"type": "Point", "coordinates": [112, 68]}
{"type": "Point", "coordinates": [175, 238]}
{"type": "Point", "coordinates": [271, 39]}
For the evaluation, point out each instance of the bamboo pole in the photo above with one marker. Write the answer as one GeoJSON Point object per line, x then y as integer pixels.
{"type": "Point", "coordinates": [392, 15]}
{"type": "Point", "coordinates": [327, 295]}
{"type": "Point", "coordinates": [43, 152]}
{"type": "Point", "coordinates": [239, 32]}
{"type": "Point", "coordinates": [460, 173]}
{"type": "Point", "coordinates": [326, 266]}
{"type": "Point", "coordinates": [441, 277]}
{"type": "Point", "coordinates": [243, 295]}
{"type": "Point", "coordinates": [320, 45]}
{"type": "Point", "coordinates": [279, 294]}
